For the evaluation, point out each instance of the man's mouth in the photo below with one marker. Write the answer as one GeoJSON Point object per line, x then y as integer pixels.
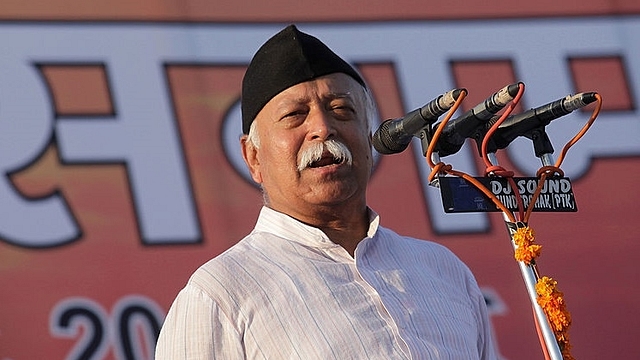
{"type": "Point", "coordinates": [326, 161]}
{"type": "Point", "coordinates": [327, 154]}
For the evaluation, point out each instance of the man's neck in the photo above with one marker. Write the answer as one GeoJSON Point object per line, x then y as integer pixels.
{"type": "Point", "coordinates": [343, 226]}
{"type": "Point", "coordinates": [349, 240]}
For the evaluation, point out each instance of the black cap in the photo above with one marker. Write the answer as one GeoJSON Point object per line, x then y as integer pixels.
{"type": "Point", "coordinates": [288, 58]}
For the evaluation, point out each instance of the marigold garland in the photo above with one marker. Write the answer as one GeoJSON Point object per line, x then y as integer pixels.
{"type": "Point", "coordinates": [552, 302]}
{"type": "Point", "coordinates": [549, 298]}
{"type": "Point", "coordinates": [526, 251]}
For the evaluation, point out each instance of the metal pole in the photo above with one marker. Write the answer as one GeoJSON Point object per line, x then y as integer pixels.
{"type": "Point", "coordinates": [546, 159]}
{"type": "Point", "coordinates": [530, 277]}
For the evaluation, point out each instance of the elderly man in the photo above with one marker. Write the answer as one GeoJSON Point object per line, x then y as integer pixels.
{"type": "Point", "coordinates": [318, 277]}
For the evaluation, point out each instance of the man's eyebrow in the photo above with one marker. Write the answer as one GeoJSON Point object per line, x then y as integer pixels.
{"type": "Point", "coordinates": [284, 103]}
{"type": "Point", "coordinates": [339, 95]}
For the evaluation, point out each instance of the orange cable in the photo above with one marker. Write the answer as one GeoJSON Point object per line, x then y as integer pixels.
{"type": "Point", "coordinates": [519, 201]}
{"type": "Point", "coordinates": [582, 131]}
{"type": "Point", "coordinates": [542, 177]}
{"type": "Point", "coordinates": [545, 350]}
{"type": "Point", "coordinates": [496, 169]}
{"type": "Point", "coordinates": [436, 135]}
{"type": "Point", "coordinates": [544, 171]}
{"type": "Point", "coordinates": [495, 126]}
{"type": "Point", "coordinates": [441, 167]}
{"type": "Point", "coordinates": [485, 191]}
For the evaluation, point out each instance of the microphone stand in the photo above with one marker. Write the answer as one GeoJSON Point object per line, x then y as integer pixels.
{"type": "Point", "coordinates": [529, 271]}
{"type": "Point", "coordinates": [552, 319]}
{"type": "Point", "coordinates": [531, 276]}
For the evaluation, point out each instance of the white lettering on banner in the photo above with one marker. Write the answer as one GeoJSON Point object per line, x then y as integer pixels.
{"type": "Point", "coordinates": [26, 126]}
{"type": "Point", "coordinates": [143, 134]}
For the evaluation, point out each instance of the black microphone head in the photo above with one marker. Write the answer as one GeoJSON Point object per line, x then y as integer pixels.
{"type": "Point", "coordinates": [456, 93]}
{"type": "Point", "coordinates": [513, 89]}
{"type": "Point", "coordinates": [384, 143]}
{"type": "Point", "coordinates": [589, 97]}
{"type": "Point", "coordinates": [394, 136]}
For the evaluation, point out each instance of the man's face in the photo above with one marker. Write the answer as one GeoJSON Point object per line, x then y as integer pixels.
{"type": "Point", "coordinates": [331, 107]}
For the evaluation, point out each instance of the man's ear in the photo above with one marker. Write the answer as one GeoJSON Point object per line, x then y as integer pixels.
{"type": "Point", "coordinates": [250, 156]}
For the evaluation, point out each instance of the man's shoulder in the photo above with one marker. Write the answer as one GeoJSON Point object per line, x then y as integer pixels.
{"type": "Point", "coordinates": [229, 271]}
{"type": "Point", "coordinates": [391, 237]}
{"type": "Point", "coordinates": [238, 253]}
{"type": "Point", "coordinates": [411, 249]}
{"type": "Point", "coordinates": [255, 252]}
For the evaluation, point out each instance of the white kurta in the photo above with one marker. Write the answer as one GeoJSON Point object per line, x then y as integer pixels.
{"type": "Point", "coordinates": [287, 292]}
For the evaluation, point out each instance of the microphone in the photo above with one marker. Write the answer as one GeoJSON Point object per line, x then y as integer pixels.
{"type": "Point", "coordinates": [457, 130]}
{"type": "Point", "coordinates": [394, 135]}
{"type": "Point", "coordinates": [520, 124]}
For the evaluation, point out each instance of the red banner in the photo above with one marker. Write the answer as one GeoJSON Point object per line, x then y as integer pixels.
{"type": "Point", "coordinates": [118, 138]}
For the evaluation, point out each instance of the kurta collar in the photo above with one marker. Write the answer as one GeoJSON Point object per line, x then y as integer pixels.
{"type": "Point", "coordinates": [287, 227]}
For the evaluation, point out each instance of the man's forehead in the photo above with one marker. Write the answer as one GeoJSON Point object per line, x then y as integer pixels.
{"type": "Point", "coordinates": [306, 97]}
{"type": "Point", "coordinates": [335, 86]}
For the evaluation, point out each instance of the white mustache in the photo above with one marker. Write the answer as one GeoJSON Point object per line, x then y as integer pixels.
{"type": "Point", "coordinates": [314, 152]}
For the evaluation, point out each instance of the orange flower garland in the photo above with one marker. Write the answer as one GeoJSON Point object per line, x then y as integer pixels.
{"type": "Point", "coordinates": [549, 298]}
{"type": "Point", "coordinates": [552, 302]}
{"type": "Point", "coordinates": [526, 251]}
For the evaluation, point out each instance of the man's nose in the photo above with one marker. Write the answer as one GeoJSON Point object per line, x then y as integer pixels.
{"type": "Point", "coordinates": [321, 125]}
